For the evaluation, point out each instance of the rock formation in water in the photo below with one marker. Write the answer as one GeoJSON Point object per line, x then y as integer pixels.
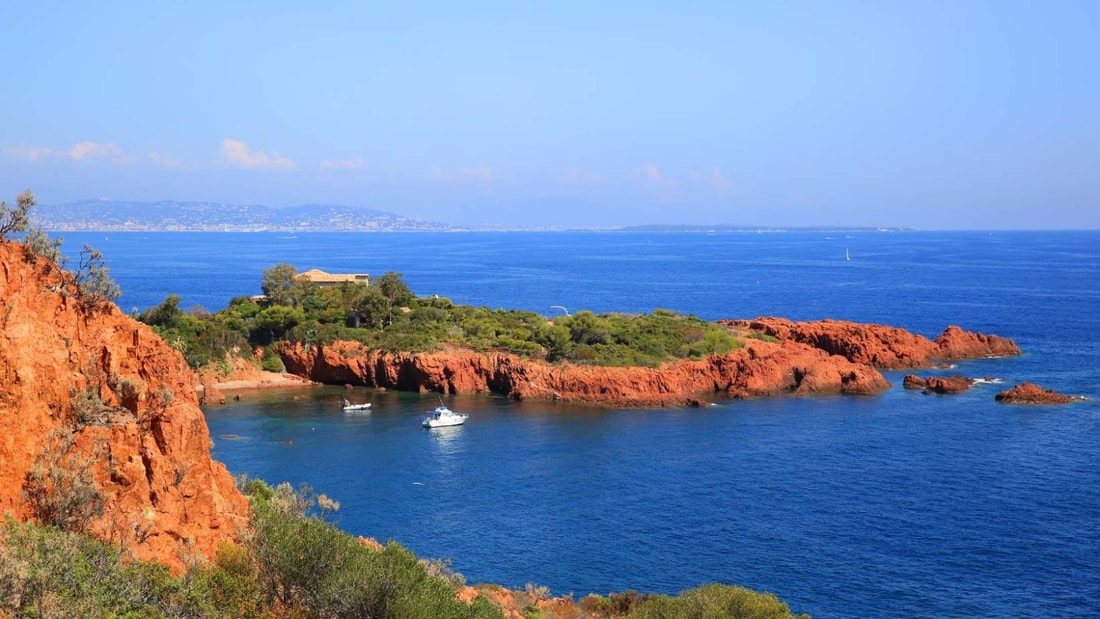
{"type": "Point", "coordinates": [882, 346]}
{"type": "Point", "coordinates": [758, 369]}
{"type": "Point", "coordinates": [1030, 393]}
{"type": "Point", "coordinates": [92, 400]}
{"type": "Point", "coordinates": [938, 384]}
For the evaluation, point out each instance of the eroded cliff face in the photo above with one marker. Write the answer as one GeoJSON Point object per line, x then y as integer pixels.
{"type": "Point", "coordinates": [820, 357]}
{"type": "Point", "coordinates": [882, 346]}
{"type": "Point", "coordinates": [124, 400]}
{"type": "Point", "coordinates": [759, 369]}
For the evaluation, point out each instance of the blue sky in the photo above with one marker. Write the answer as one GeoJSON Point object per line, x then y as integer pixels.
{"type": "Point", "coordinates": [929, 114]}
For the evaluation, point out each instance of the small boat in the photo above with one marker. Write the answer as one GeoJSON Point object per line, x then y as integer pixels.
{"type": "Point", "coordinates": [847, 256]}
{"type": "Point", "coordinates": [442, 417]}
{"type": "Point", "coordinates": [349, 407]}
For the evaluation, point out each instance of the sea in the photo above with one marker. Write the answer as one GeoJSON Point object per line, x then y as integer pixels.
{"type": "Point", "coordinates": [894, 505]}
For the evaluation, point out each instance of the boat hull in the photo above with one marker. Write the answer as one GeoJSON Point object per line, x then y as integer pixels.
{"type": "Point", "coordinates": [443, 417]}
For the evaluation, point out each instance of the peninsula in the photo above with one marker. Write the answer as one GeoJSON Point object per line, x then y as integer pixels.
{"type": "Point", "coordinates": [375, 332]}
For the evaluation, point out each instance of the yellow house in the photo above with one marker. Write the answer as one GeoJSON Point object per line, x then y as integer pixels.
{"type": "Point", "coordinates": [323, 279]}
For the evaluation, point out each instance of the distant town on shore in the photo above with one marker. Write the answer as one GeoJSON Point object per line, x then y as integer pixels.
{"type": "Point", "coordinates": [171, 215]}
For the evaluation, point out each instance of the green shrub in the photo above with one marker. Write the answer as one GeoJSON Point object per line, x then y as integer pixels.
{"type": "Point", "coordinates": [714, 601]}
{"type": "Point", "coordinates": [52, 573]}
{"type": "Point", "coordinates": [271, 361]}
{"type": "Point", "coordinates": [305, 562]}
{"type": "Point", "coordinates": [60, 487]}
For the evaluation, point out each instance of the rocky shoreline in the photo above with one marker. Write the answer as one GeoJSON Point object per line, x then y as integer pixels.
{"type": "Point", "coordinates": [779, 357]}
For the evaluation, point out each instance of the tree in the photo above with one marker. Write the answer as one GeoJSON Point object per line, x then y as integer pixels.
{"type": "Point", "coordinates": [557, 342]}
{"type": "Point", "coordinates": [93, 281]}
{"type": "Point", "coordinates": [394, 290]}
{"type": "Point", "coordinates": [586, 328]}
{"type": "Point", "coordinates": [40, 244]}
{"type": "Point", "coordinates": [276, 320]}
{"type": "Point", "coordinates": [371, 307]}
{"type": "Point", "coordinates": [16, 219]}
{"type": "Point", "coordinates": [279, 283]}
{"type": "Point", "coordinates": [167, 314]}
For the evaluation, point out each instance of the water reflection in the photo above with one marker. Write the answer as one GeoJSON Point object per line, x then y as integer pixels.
{"type": "Point", "coordinates": [446, 441]}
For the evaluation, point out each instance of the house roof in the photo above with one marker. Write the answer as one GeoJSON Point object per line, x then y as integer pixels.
{"type": "Point", "coordinates": [318, 276]}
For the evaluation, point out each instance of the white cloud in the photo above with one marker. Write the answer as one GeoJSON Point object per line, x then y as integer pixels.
{"type": "Point", "coordinates": [719, 180]}
{"type": "Point", "coordinates": [712, 179]}
{"type": "Point", "coordinates": [83, 151]}
{"type": "Point", "coordinates": [344, 164]}
{"type": "Point", "coordinates": [481, 173]}
{"type": "Point", "coordinates": [88, 152]}
{"type": "Point", "coordinates": [650, 172]}
{"type": "Point", "coordinates": [237, 153]}
{"type": "Point", "coordinates": [28, 153]}
{"type": "Point", "coordinates": [165, 161]}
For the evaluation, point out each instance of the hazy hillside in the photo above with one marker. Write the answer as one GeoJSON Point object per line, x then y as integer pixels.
{"type": "Point", "coordinates": [171, 215]}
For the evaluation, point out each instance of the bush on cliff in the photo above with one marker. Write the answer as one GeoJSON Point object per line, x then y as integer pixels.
{"type": "Point", "coordinates": [715, 601]}
{"type": "Point", "coordinates": [46, 572]}
{"type": "Point", "coordinates": [305, 562]}
{"type": "Point", "coordinates": [296, 565]}
{"type": "Point", "coordinates": [16, 219]}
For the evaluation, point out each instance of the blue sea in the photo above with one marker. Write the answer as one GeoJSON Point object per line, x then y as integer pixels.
{"type": "Point", "coordinates": [897, 505]}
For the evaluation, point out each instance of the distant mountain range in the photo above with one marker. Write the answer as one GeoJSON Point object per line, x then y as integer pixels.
{"type": "Point", "coordinates": [213, 216]}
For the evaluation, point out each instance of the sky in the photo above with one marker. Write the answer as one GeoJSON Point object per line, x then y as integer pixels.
{"type": "Point", "coordinates": [925, 114]}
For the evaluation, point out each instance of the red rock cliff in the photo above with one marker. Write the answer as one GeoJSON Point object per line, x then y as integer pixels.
{"type": "Point", "coordinates": [759, 369]}
{"type": "Point", "coordinates": [147, 441]}
{"type": "Point", "coordinates": [882, 346]}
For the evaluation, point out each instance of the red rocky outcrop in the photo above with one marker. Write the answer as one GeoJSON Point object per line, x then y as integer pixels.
{"type": "Point", "coordinates": [938, 384]}
{"type": "Point", "coordinates": [148, 445]}
{"type": "Point", "coordinates": [1030, 393]}
{"type": "Point", "coordinates": [957, 343]}
{"type": "Point", "coordinates": [758, 369]}
{"type": "Point", "coordinates": [882, 346]}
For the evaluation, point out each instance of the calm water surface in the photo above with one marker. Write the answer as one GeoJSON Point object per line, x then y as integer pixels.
{"type": "Point", "coordinates": [899, 505]}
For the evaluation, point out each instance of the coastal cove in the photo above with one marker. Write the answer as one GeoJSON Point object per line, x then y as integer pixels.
{"type": "Point", "coordinates": [892, 505]}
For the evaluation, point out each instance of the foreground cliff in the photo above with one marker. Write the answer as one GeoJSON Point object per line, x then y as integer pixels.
{"type": "Point", "coordinates": [100, 428]}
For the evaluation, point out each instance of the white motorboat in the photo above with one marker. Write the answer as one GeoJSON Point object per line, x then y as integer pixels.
{"type": "Point", "coordinates": [349, 407]}
{"type": "Point", "coordinates": [442, 417]}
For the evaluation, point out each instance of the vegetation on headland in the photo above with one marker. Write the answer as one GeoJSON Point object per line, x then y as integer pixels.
{"type": "Point", "coordinates": [385, 314]}
{"type": "Point", "coordinates": [295, 563]}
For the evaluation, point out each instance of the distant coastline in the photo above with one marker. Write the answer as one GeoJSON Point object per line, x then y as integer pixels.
{"type": "Point", "coordinates": [100, 215]}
